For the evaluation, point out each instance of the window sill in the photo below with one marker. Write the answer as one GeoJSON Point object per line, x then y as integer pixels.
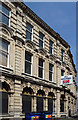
{"type": "Point", "coordinates": [6, 68]}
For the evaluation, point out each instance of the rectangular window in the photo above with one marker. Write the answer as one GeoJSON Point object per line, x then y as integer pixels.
{"type": "Point", "coordinates": [62, 55]}
{"type": "Point", "coordinates": [4, 53]}
{"type": "Point", "coordinates": [28, 63]}
{"type": "Point", "coordinates": [50, 72]}
{"type": "Point", "coordinates": [41, 68]}
{"type": "Point", "coordinates": [41, 37]}
{"type": "Point", "coordinates": [29, 34]}
{"type": "Point", "coordinates": [62, 72]}
{"type": "Point", "coordinates": [50, 47]}
{"type": "Point", "coordinates": [4, 15]}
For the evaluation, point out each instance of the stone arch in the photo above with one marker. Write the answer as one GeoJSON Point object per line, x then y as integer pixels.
{"type": "Point", "coordinates": [40, 93]}
{"type": "Point", "coordinates": [4, 86]}
{"type": "Point", "coordinates": [42, 51]}
{"type": "Point", "coordinates": [30, 44]}
{"type": "Point", "coordinates": [27, 91]}
{"type": "Point", "coordinates": [51, 94]}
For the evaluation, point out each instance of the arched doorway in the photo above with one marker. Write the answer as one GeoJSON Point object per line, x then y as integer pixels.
{"type": "Point", "coordinates": [27, 100]}
{"type": "Point", "coordinates": [4, 88]}
{"type": "Point", "coordinates": [40, 100]}
{"type": "Point", "coordinates": [50, 101]}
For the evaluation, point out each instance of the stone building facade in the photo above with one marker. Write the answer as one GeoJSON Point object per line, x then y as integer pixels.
{"type": "Point", "coordinates": [33, 57]}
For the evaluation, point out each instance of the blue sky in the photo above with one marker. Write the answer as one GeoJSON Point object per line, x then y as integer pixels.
{"type": "Point", "coordinates": [60, 16]}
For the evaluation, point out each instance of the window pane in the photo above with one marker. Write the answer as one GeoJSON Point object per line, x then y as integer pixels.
{"type": "Point", "coordinates": [28, 35]}
{"type": "Point", "coordinates": [4, 45]}
{"type": "Point", "coordinates": [41, 62]}
{"type": "Point", "coordinates": [62, 73]}
{"type": "Point", "coordinates": [41, 36]}
{"type": "Point", "coordinates": [40, 72]}
{"type": "Point", "coordinates": [50, 76]}
{"type": "Point", "coordinates": [29, 27]}
{"type": "Point", "coordinates": [28, 56]}
{"type": "Point", "coordinates": [50, 50]}
{"type": "Point", "coordinates": [27, 67]}
{"type": "Point", "coordinates": [50, 43]}
{"type": "Point", "coordinates": [4, 10]}
{"type": "Point", "coordinates": [4, 19]}
{"type": "Point", "coordinates": [3, 59]}
{"type": "Point", "coordinates": [40, 43]}
{"type": "Point", "coordinates": [50, 67]}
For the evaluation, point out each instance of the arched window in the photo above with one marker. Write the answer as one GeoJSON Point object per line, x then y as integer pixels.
{"type": "Point", "coordinates": [50, 101]}
{"type": "Point", "coordinates": [4, 88]}
{"type": "Point", "coordinates": [27, 100]}
{"type": "Point", "coordinates": [40, 98]}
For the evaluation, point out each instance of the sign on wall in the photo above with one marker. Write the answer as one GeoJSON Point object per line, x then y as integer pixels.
{"type": "Point", "coordinates": [66, 80]}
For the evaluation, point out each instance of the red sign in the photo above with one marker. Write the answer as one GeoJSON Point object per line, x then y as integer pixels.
{"type": "Point", "coordinates": [66, 81]}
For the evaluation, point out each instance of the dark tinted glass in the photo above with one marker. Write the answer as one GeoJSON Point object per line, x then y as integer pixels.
{"type": "Point", "coordinates": [40, 72]}
{"type": "Point", "coordinates": [50, 50]}
{"type": "Point", "coordinates": [4, 45]}
{"type": "Point", "coordinates": [29, 27]}
{"type": "Point", "coordinates": [4, 10]}
{"type": "Point", "coordinates": [50, 76]}
{"type": "Point", "coordinates": [62, 73]}
{"type": "Point", "coordinates": [41, 62]}
{"type": "Point", "coordinates": [27, 67]}
{"type": "Point", "coordinates": [50, 43]}
{"type": "Point", "coordinates": [41, 36]}
{"type": "Point", "coordinates": [27, 57]}
{"type": "Point", "coordinates": [40, 43]}
{"type": "Point", "coordinates": [50, 67]}
{"type": "Point", "coordinates": [62, 51]}
{"type": "Point", "coordinates": [4, 19]}
{"type": "Point", "coordinates": [28, 35]}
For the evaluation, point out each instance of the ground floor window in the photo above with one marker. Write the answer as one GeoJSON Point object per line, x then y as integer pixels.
{"type": "Point", "coordinates": [27, 100]}
{"type": "Point", "coordinates": [39, 104]}
{"type": "Point", "coordinates": [4, 98]}
{"type": "Point", "coordinates": [62, 103]}
{"type": "Point", "coordinates": [50, 104]}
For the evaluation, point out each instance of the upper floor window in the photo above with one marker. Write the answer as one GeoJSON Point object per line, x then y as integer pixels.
{"type": "Point", "coordinates": [4, 15]}
{"type": "Point", "coordinates": [4, 53]}
{"type": "Point", "coordinates": [41, 38]}
{"type": "Point", "coordinates": [62, 72]}
{"type": "Point", "coordinates": [50, 47]}
{"type": "Point", "coordinates": [62, 55]}
{"type": "Point", "coordinates": [50, 72]}
{"type": "Point", "coordinates": [41, 68]}
{"type": "Point", "coordinates": [28, 63]}
{"type": "Point", "coordinates": [29, 32]}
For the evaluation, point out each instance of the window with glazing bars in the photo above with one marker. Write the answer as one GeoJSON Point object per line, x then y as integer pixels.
{"type": "Point", "coordinates": [29, 32]}
{"type": "Point", "coordinates": [28, 63]}
{"type": "Point", "coordinates": [41, 68]}
{"type": "Point", "coordinates": [50, 47]}
{"type": "Point", "coordinates": [41, 38]}
{"type": "Point", "coordinates": [4, 52]}
{"type": "Point", "coordinates": [4, 14]}
{"type": "Point", "coordinates": [50, 72]}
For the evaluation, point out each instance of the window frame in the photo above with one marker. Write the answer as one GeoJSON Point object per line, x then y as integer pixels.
{"type": "Point", "coordinates": [62, 55]}
{"type": "Point", "coordinates": [42, 40]}
{"type": "Point", "coordinates": [52, 47]}
{"type": "Point", "coordinates": [41, 68]}
{"type": "Point", "coordinates": [8, 54]}
{"type": "Point", "coordinates": [51, 72]}
{"type": "Point", "coordinates": [29, 62]}
{"type": "Point", "coordinates": [29, 31]}
{"type": "Point", "coordinates": [6, 15]}
{"type": "Point", "coordinates": [63, 72]}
